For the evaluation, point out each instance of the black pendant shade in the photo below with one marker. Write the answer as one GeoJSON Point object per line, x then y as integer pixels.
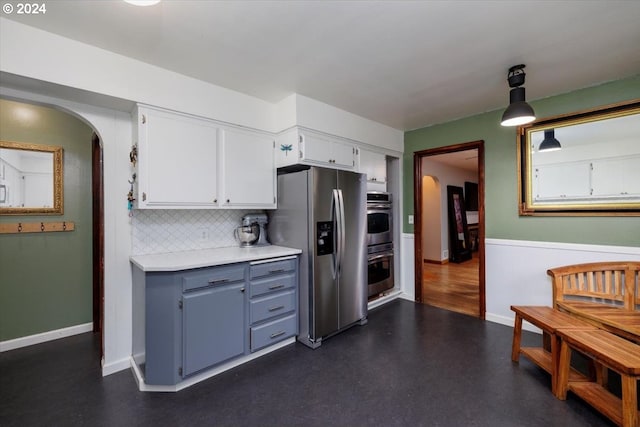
{"type": "Point", "coordinates": [518, 112]}
{"type": "Point", "coordinates": [549, 143]}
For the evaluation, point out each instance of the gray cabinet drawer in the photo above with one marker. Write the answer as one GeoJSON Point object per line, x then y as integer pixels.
{"type": "Point", "coordinates": [272, 332]}
{"type": "Point", "coordinates": [272, 305]}
{"type": "Point", "coordinates": [273, 283]}
{"type": "Point", "coordinates": [276, 267]}
{"type": "Point", "coordinates": [212, 276]}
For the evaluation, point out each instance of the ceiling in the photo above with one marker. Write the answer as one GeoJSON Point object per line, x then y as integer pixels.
{"type": "Point", "coordinates": [407, 64]}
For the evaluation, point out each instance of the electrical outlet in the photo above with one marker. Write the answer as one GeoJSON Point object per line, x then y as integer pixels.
{"type": "Point", "coordinates": [410, 219]}
{"type": "Point", "coordinates": [445, 254]}
{"type": "Point", "coordinates": [203, 234]}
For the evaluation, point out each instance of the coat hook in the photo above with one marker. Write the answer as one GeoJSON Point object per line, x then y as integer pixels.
{"type": "Point", "coordinates": [42, 226]}
{"type": "Point", "coordinates": [64, 225]}
{"type": "Point", "coordinates": [19, 227]}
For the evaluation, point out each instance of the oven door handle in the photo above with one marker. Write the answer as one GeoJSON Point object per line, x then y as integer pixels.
{"type": "Point", "coordinates": [383, 207]}
{"type": "Point", "coordinates": [377, 257]}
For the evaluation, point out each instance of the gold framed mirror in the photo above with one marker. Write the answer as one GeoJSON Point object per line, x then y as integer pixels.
{"type": "Point", "coordinates": [581, 164]}
{"type": "Point", "coordinates": [31, 179]}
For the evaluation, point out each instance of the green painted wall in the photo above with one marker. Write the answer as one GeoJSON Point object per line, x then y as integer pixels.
{"type": "Point", "coordinates": [46, 279]}
{"type": "Point", "coordinates": [501, 211]}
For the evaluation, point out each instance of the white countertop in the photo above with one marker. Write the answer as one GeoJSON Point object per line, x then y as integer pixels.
{"type": "Point", "coordinates": [184, 260]}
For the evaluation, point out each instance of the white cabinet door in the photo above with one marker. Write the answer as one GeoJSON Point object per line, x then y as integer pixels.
{"type": "Point", "coordinates": [559, 181]}
{"type": "Point", "coordinates": [374, 165]}
{"type": "Point", "coordinates": [249, 169]}
{"type": "Point", "coordinates": [177, 158]}
{"type": "Point", "coordinates": [321, 150]}
{"type": "Point", "coordinates": [616, 177]}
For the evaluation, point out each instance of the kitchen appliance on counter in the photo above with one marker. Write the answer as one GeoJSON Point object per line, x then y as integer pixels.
{"type": "Point", "coordinates": [322, 212]}
{"type": "Point", "coordinates": [380, 273]}
{"type": "Point", "coordinates": [253, 231]}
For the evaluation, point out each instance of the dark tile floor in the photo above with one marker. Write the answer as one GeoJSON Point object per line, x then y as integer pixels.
{"type": "Point", "coordinates": [412, 365]}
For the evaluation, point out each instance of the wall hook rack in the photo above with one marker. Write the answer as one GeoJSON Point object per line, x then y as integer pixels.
{"type": "Point", "coordinates": [36, 227]}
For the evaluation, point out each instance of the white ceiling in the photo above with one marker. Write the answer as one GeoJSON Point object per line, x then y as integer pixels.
{"type": "Point", "coordinates": [406, 64]}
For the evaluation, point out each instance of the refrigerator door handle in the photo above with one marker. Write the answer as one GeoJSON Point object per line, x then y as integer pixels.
{"type": "Point", "coordinates": [341, 230]}
{"type": "Point", "coordinates": [335, 213]}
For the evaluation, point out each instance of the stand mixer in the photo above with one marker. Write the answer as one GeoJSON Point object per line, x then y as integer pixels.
{"type": "Point", "coordinates": [250, 221]}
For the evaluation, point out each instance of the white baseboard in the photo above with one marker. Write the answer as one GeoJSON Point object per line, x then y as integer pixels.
{"type": "Point", "coordinates": [45, 336]}
{"type": "Point", "coordinates": [117, 366]}
{"type": "Point", "coordinates": [395, 294]}
{"type": "Point", "coordinates": [508, 321]}
{"type": "Point", "coordinates": [142, 386]}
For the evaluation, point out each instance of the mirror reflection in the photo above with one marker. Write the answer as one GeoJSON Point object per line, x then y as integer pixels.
{"type": "Point", "coordinates": [582, 163]}
{"type": "Point", "coordinates": [30, 178]}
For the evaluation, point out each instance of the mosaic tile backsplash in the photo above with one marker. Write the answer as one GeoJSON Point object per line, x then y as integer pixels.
{"type": "Point", "coordinates": [160, 230]}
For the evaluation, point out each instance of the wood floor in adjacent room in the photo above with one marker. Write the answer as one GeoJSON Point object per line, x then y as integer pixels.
{"type": "Point", "coordinates": [453, 286]}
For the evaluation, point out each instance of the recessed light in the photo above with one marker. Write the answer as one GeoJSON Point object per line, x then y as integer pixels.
{"type": "Point", "coordinates": [142, 2]}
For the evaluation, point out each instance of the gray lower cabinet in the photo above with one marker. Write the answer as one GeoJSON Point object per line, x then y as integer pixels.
{"type": "Point", "coordinates": [273, 302]}
{"type": "Point", "coordinates": [188, 321]}
{"type": "Point", "coordinates": [213, 326]}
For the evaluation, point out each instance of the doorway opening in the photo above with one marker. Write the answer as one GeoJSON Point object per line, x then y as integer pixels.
{"type": "Point", "coordinates": [457, 286]}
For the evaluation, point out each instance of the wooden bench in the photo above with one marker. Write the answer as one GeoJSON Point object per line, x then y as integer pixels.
{"type": "Point", "coordinates": [613, 352]}
{"type": "Point", "coordinates": [605, 294]}
{"type": "Point", "coordinates": [549, 320]}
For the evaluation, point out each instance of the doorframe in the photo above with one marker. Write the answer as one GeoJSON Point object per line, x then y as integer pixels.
{"type": "Point", "coordinates": [417, 211]}
{"type": "Point", "coordinates": [97, 196]}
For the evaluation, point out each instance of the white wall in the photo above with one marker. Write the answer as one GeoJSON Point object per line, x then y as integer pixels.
{"type": "Point", "coordinates": [317, 115]}
{"type": "Point", "coordinates": [431, 219]}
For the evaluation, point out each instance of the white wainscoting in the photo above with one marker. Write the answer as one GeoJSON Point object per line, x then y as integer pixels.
{"type": "Point", "coordinates": [516, 271]}
{"type": "Point", "coordinates": [45, 336]}
{"type": "Point", "coordinates": [407, 267]}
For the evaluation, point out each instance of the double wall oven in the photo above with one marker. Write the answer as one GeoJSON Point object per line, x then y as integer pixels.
{"type": "Point", "coordinates": [380, 243]}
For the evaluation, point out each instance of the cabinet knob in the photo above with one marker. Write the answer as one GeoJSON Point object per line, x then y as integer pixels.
{"type": "Point", "coordinates": [228, 200]}
{"type": "Point", "coordinates": [215, 200]}
{"type": "Point", "coordinates": [242, 290]}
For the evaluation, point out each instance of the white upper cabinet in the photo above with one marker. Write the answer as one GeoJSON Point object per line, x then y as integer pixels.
{"type": "Point", "coordinates": [186, 162]}
{"type": "Point", "coordinates": [177, 160]}
{"type": "Point", "coordinates": [313, 148]}
{"type": "Point", "coordinates": [374, 165]}
{"type": "Point", "coordinates": [249, 170]}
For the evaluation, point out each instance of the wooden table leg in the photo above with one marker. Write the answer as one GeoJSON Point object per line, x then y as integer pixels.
{"type": "Point", "coordinates": [517, 336]}
{"type": "Point", "coordinates": [629, 401]}
{"type": "Point", "coordinates": [555, 361]}
{"type": "Point", "coordinates": [564, 366]}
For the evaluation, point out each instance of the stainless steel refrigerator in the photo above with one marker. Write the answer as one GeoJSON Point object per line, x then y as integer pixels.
{"type": "Point", "coordinates": [323, 212]}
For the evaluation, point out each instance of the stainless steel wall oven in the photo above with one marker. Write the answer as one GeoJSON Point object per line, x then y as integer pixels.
{"type": "Point", "coordinates": [379, 218]}
{"type": "Point", "coordinates": [380, 275]}
{"type": "Point", "coordinates": [380, 269]}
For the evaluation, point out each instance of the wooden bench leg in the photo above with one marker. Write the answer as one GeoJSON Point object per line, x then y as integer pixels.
{"type": "Point", "coordinates": [517, 336]}
{"type": "Point", "coordinates": [629, 401]}
{"type": "Point", "coordinates": [564, 366]}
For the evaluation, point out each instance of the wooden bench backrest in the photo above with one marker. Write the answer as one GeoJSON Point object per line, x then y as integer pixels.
{"type": "Point", "coordinates": [615, 283]}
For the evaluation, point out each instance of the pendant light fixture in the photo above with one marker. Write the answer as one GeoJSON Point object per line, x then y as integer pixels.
{"type": "Point", "coordinates": [549, 143]}
{"type": "Point", "coordinates": [518, 112]}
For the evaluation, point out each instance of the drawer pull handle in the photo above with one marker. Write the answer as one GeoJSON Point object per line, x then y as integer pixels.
{"type": "Point", "coordinates": [280, 270]}
{"type": "Point", "coordinates": [277, 334]}
{"type": "Point", "coordinates": [275, 287]}
{"type": "Point", "coordinates": [280, 307]}
{"type": "Point", "coordinates": [216, 282]}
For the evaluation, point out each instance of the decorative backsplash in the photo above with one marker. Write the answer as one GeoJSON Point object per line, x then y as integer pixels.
{"type": "Point", "coordinates": [160, 230]}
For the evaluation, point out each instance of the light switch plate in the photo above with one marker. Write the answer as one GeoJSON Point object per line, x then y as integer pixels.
{"type": "Point", "coordinates": [410, 219]}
